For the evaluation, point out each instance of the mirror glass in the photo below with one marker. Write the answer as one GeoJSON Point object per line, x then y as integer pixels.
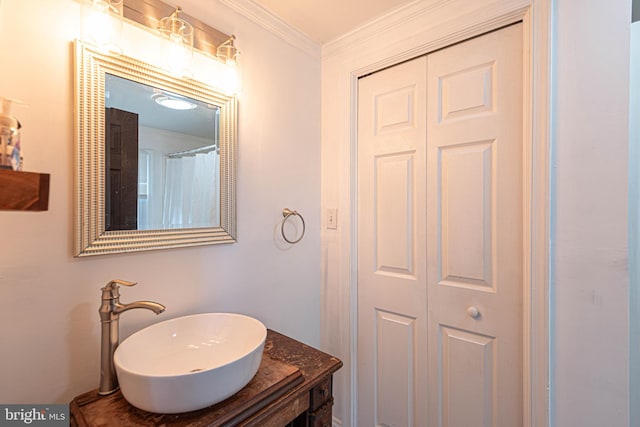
{"type": "Point", "coordinates": [155, 158]}
{"type": "Point", "coordinates": [162, 159]}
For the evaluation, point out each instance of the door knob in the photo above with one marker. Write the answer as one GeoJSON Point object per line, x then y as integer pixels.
{"type": "Point", "coordinates": [473, 312]}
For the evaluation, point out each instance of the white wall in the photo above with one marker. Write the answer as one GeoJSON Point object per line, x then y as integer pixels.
{"type": "Point", "coordinates": [49, 300]}
{"type": "Point", "coordinates": [589, 357]}
{"type": "Point", "coordinates": [634, 223]}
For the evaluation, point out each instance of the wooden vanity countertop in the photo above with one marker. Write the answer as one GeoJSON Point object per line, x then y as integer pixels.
{"type": "Point", "coordinates": [289, 370]}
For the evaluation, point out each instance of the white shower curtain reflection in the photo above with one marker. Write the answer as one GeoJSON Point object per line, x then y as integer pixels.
{"type": "Point", "coordinates": [191, 191]}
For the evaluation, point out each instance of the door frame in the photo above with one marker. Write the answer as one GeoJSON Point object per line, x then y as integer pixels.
{"type": "Point", "coordinates": [456, 21]}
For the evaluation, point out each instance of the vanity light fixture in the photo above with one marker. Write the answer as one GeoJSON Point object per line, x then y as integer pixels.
{"type": "Point", "coordinates": [172, 102]}
{"type": "Point", "coordinates": [102, 24]}
{"type": "Point", "coordinates": [179, 36]}
{"type": "Point", "coordinates": [227, 52]}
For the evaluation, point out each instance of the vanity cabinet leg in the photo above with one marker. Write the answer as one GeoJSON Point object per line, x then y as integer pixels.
{"type": "Point", "coordinates": [319, 413]}
{"type": "Point", "coordinates": [322, 417]}
{"type": "Point", "coordinates": [321, 404]}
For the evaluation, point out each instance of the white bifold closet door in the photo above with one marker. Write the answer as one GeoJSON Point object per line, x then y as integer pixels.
{"type": "Point", "coordinates": [440, 238]}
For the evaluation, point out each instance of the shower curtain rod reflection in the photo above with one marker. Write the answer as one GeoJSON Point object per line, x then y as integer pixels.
{"type": "Point", "coordinates": [193, 152]}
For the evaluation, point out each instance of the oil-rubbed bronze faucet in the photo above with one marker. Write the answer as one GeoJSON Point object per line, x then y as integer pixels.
{"type": "Point", "coordinates": [110, 310]}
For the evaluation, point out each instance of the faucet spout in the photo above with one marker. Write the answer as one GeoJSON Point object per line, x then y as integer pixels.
{"type": "Point", "coordinates": [110, 311]}
{"type": "Point", "coordinates": [149, 305]}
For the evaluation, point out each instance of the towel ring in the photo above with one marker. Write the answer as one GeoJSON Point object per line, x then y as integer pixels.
{"type": "Point", "coordinates": [286, 213]}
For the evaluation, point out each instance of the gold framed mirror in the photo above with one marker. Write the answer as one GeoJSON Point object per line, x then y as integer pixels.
{"type": "Point", "coordinates": [137, 187]}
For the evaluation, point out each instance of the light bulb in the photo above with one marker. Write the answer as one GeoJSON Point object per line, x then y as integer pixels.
{"type": "Point", "coordinates": [102, 22]}
{"type": "Point", "coordinates": [177, 57]}
{"type": "Point", "coordinates": [231, 77]}
{"type": "Point", "coordinates": [179, 43]}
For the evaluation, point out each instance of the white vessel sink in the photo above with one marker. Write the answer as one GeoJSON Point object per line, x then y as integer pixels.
{"type": "Point", "coordinates": [189, 362]}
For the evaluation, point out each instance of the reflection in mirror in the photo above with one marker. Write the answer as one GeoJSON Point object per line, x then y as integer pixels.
{"type": "Point", "coordinates": [149, 176]}
{"type": "Point", "coordinates": [161, 159]}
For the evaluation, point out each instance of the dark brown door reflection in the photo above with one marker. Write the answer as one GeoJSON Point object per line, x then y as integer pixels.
{"type": "Point", "coordinates": [121, 186]}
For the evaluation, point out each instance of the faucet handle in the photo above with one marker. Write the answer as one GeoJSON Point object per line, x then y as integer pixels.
{"type": "Point", "coordinates": [111, 290]}
{"type": "Point", "coordinates": [115, 282]}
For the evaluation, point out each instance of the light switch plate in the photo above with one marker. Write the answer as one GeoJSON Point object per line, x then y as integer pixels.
{"type": "Point", "coordinates": [332, 218]}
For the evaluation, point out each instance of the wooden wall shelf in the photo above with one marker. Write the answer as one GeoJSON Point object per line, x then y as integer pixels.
{"type": "Point", "coordinates": [24, 191]}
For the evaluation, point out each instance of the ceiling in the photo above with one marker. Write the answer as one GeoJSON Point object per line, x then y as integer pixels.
{"type": "Point", "coordinates": [326, 20]}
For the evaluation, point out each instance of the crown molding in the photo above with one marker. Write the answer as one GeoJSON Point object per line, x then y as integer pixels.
{"type": "Point", "coordinates": [275, 25]}
{"type": "Point", "coordinates": [421, 17]}
{"type": "Point", "coordinates": [390, 21]}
